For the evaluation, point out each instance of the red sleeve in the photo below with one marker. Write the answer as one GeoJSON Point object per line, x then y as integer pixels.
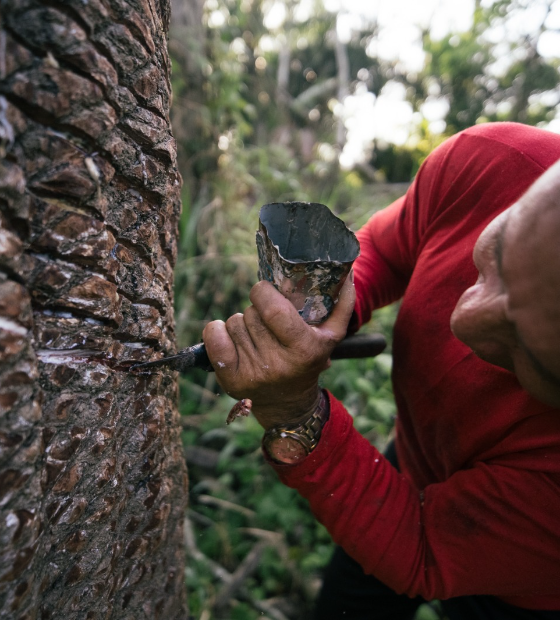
{"type": "Point", "coordinates": [459, 169]}
{"type": "Point", "coordinates": [482, 531]}
{"type": "Point", "coordinates": [392, 239]}
{"type": "Point", "coordinates": [486, 457]}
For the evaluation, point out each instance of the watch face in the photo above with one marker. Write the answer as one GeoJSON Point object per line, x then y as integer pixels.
{"type": "Point", "coordinates": [286, 449]}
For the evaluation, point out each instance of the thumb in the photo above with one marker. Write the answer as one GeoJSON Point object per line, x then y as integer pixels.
{"type": "Point", "coordinates": [336, 326]}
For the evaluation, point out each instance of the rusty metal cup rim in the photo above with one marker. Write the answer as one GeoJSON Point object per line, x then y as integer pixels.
{"type": "Point", "coordinates": [306, 252]}
{"type": "Point", "coordinates": [308, 232]}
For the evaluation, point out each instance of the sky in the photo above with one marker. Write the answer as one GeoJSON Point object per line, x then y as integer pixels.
{"type": "Point", "coordinates": [389, 117]}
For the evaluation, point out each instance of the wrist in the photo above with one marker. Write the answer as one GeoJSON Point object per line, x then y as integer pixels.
{"type": "Point", "coordinates": [289, 413]}
{"type": "Point", "coordinates": [289, 444]}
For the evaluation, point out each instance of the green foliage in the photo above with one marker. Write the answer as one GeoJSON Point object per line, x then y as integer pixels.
{"type": "Point", "coordinates": [430, 611]}
{"type": "Point", "coordinates": [214, 285]}
{"type": "Point", "coordinates": [491, 72]}
{"type": "Point", "coordinates": [457, 62]}
{"type": "Point", "coordinates": [243, 142]}
{"type": "Point", "coordinates": [299, 547]}
{"type": "Point", "coordinates": [217, 264]}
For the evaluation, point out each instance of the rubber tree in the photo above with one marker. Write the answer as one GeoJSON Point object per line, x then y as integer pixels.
{"type": "Point", "coordinates": [92, 475]}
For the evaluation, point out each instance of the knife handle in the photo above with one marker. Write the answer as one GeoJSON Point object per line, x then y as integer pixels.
{"type": "Point", "coordinates": [359, 346]}
{"type": "Point", "coordinates": [352, 347]}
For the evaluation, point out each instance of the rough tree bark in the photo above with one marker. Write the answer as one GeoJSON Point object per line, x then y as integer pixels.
{"type": "Point", "coordinates": [92, 478]}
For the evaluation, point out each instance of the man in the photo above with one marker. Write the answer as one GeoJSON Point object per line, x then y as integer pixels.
{"type": "Point", "coordinates": [473, 516]}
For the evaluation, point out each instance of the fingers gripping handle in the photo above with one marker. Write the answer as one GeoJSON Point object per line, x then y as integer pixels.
{"type": "Point", "coordinates": [360, 346]}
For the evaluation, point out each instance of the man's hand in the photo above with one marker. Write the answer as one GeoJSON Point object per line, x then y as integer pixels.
{"type": "Point", "coordinates": [270, 355]}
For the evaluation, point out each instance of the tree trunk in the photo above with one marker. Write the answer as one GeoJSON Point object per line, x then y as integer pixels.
{"type": "Point", "coordinates": [92, 478]}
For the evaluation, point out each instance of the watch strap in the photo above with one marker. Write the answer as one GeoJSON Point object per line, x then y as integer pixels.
{"type": "Point", "coordinates": [307, 433]}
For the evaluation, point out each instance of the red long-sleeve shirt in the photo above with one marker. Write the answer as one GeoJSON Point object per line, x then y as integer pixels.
{"type": "Point", "coordinates": [476, 507]}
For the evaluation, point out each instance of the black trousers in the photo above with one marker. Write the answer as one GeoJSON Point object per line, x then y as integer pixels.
{"type": "Point", "coordinates": [349, 594]}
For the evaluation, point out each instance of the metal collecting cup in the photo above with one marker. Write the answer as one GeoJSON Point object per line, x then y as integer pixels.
{"type": "Point", "coordinates": [306, 252]}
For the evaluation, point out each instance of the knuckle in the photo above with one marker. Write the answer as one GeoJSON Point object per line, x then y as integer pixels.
{"type": "Point", "coordinates": [272, 313]}
{"type": "Point", "coordinates": [258, 289]}
{"type": "Point", "coordinates": [314, 352]}
{"type": "Point", "coordinates": [212, 326]}
{"type": "Point", "coordinates": [252, 317]}
{"type": "Point", "coordinates": [234, 322]}
{"type": "Point", "coordinates": [330, 341]}
{"type": "Point", "coordinates": [309, 357]}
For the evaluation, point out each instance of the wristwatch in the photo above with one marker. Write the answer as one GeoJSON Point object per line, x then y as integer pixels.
{"type": "Point", "coordinates": [289, 444]}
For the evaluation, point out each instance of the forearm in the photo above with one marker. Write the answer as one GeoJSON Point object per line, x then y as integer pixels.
{"type": "Point", "coordinates": [455, 538]}
{"type": "Point", "coordinates": [378, 282]}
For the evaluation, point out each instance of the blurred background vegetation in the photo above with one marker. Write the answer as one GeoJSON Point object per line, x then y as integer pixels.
{"type": "Point", "coordinates": [280, 100]}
